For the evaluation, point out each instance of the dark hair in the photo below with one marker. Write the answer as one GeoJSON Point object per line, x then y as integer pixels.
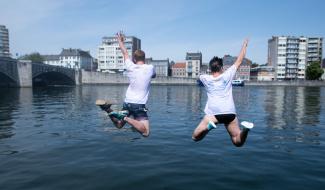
{"type": "Point", "coordinates": [216, 64]}
{"type": "Point", "coordinates": [139, 55]}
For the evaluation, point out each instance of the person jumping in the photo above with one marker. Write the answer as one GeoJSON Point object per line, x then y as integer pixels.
{"type": "Point", "coordinates": [220, 107]}
{"type": "Point", "coordinates": [137, 94]}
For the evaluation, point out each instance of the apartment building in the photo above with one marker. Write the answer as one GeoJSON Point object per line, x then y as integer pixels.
{"type": "Point", "coordinates": [4, 42]}
{"type": "Point", "coordinates": [291, 55]}
{"type": "Point", "coordinates": [109, 55]}
{"type": "Point", "coordinates": [193, 63]}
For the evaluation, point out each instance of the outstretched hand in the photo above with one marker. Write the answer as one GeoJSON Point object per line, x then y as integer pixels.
{"type": "Point", "coordinates": [245, 42]}
{"type": "Point", "coordinates": [242, 54]}
{"type": "Point", "coordinates": [120, 36]}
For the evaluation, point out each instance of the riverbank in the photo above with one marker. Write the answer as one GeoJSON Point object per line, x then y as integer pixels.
{"type": "Point", "coordinates": [111, 79]}
{"type": "Point", "coordinates": [285, 83]}
{"type": "Point", "coordinates": [98, 78]}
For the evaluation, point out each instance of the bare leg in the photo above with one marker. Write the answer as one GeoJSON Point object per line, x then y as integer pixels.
{"type": "Point", "coordinates": [202, 129]}
{"type": "Point", "coordinates": [142, 126]}
{"type": "Point", "coordinates": [118, 123]}
{"type": "Point", "coordinates": [237, 136]}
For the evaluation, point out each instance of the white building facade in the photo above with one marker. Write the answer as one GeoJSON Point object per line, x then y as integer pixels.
{"type": "Point", "coordinates": [314, 50]}
{"type": "Point", "coordinates": [162, 66]}
{"type": "Point", "coordinates": [109, 55]}
{"type": "Point", "coordinates": [52, 60]}
{"type": "Point", "coordinates": [76, 59]}
{"type": "Point", "coordinates": [193, 63]}
{"type": "Point", "coordinates": [4, 42]}
{"type": "Point", "coordinates": [71, 58]}
{"type": "Point", "coordinates": [290, 55]}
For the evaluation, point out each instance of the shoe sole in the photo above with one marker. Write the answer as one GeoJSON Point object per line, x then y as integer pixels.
{"type": "Point", "coordinates": [104, 102]}
{"type": "Point", "coordinates": [247, 124]}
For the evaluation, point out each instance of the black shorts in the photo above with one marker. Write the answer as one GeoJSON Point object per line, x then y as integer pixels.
{"type": "Point", "coordinates": [138, 111]}
{"type": "Point", "coordinates": [225, 118]}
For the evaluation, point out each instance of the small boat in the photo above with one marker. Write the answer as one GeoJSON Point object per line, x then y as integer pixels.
{"type": "Point", "coordinates": [199, 82]}
{"type": "Point", "coordinates": [237, 82]}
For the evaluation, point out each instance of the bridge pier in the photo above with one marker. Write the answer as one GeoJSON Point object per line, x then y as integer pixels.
{"type": "Point", "coordinates": [78, 77]}
{"type": "Point", "coordinates": [25, 78]}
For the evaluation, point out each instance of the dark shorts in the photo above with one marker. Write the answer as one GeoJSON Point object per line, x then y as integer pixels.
{"type": "Point", "coordinates": [225, 118]}
{"type": "Point", "coordinates": [138, 111]}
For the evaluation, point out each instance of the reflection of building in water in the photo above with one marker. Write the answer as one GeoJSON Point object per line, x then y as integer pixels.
{"type": "Point", "coordinates": [177, 97]}
{"type": "Point", "coordinates": [8, 104]}
{"type": "Point", "coordinates": [274, 107]}
{"type": "Point", "coordinates": [312, 105]}
{"type": "Point", "coordinates": [293, 110]}
{"type": "Point", "coordinates": [300, 104]}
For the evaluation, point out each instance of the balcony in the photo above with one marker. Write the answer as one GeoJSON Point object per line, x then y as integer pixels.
{"type": "Point", "coordinates": [292, 56]}
{"type": "Point", "coordinates": [313, 41]}
{"type": "Point", "coordinates": [292, 47]}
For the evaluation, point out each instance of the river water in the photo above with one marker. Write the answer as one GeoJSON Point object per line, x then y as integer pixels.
{"type": "Point", "coordinates": [56, 138]}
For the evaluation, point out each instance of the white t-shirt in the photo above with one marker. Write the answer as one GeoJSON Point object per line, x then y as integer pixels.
{"type": "Point", "coordinates": [219, 90]}
{"type": "Point", "coordinates": [139, 78]}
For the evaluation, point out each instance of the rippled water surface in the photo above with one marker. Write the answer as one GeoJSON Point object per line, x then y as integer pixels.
{"type": "Point", "coordinates": [56, 138]}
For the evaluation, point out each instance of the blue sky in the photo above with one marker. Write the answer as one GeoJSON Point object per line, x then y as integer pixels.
{"type": "Point", "coordinates": [167, 28]}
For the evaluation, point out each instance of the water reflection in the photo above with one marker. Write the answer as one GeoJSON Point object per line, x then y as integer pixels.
{"type": "Point", "coordinates": [51, 103]}
{"type": "Point", "coordinates": [295, 110]}
{"type": "Point", "coordinates": [8, 105]}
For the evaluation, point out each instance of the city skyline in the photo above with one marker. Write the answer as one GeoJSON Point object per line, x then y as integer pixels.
{"type": "Point", "coordinates": [167, 29]}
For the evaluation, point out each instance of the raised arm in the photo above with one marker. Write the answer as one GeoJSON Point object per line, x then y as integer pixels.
{"type": "Point", "coordinates": [242, 54]}
{"type": "Point", "coordinates": [120, 39]}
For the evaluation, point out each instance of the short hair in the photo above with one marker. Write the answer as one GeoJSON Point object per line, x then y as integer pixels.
{"type": "Point", "coordinates": [216, 64]}
{"type": "Point", "coordinates": [139, 55]}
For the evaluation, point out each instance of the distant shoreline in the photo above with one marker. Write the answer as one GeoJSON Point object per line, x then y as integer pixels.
{"type": "Point", "coordinates": [285, 83]}
{"type": "Point", "coordinates": [194, 83]}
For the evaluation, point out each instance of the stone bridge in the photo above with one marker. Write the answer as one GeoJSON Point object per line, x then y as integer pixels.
{"type": "Point", "coordinates": [15, 73]}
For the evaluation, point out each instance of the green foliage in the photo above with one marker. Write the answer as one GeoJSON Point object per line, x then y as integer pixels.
{"type": "Point", "coordinates": [34, 57]}
{"type": "Point", "coordinates": [254, 65]}
{"type": "Point", "coordinates": [314, 71]}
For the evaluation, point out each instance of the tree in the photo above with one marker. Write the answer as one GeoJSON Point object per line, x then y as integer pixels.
{"type": "Point", "coordinates": [314, 71]}
{"type": "Point", "coordinates": [254, 65]}
{"type": "Point", "coordinates": [33, 57]}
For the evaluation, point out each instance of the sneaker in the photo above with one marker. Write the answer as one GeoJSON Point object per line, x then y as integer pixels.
{"type": "Point", "coordinates": [211, 125]}
{"type": "Point", "coordinates": [120, 114]}
{"type": "Point", "coordinates": [247, 125]}
{"type": "Point", "coordinates": [103, 102]}
{"type": "Point", "coordinates": [104, 105]}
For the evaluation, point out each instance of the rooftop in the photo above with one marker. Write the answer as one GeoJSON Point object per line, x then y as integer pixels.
{"type": "Point", "coordinates": [229, 60]}
{"type": "Point", "coordinates": [51, 57]}
{"type": "Point", "coordinates": [179, 65]}
{"type": "Point", "coordinates": [194, 56]}
{"type": "Point", "coordinates": [74, 52]}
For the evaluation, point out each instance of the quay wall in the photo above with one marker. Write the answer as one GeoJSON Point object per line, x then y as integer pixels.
{"type": "Point", "coordinates": [109, 78]}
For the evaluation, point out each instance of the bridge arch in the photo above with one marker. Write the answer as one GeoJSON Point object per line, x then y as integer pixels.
{"type": "Point", "coordinates": [7, 81]}
{"type": "Point", "coordinates": [8, 72]}
{"type": "Point", "coordinates": [45, 75]}
{"type": "Point", "coordinates": [52, 78]}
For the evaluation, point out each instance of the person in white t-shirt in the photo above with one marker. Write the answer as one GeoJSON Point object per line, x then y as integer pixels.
{"type": "Point", "coordinates": [136, 97]}
{"type": "Point", "coordinates": [220, 107]}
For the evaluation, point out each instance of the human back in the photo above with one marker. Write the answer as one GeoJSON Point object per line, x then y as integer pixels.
{"type": "Point", "coordinates": [139, 78]}
{"type": "Point", "coordinates": [220, 108]}
{"type": "Point", "coordinates": [134, 111]}
{"type": "Point", "coordinates": [219, 89]}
